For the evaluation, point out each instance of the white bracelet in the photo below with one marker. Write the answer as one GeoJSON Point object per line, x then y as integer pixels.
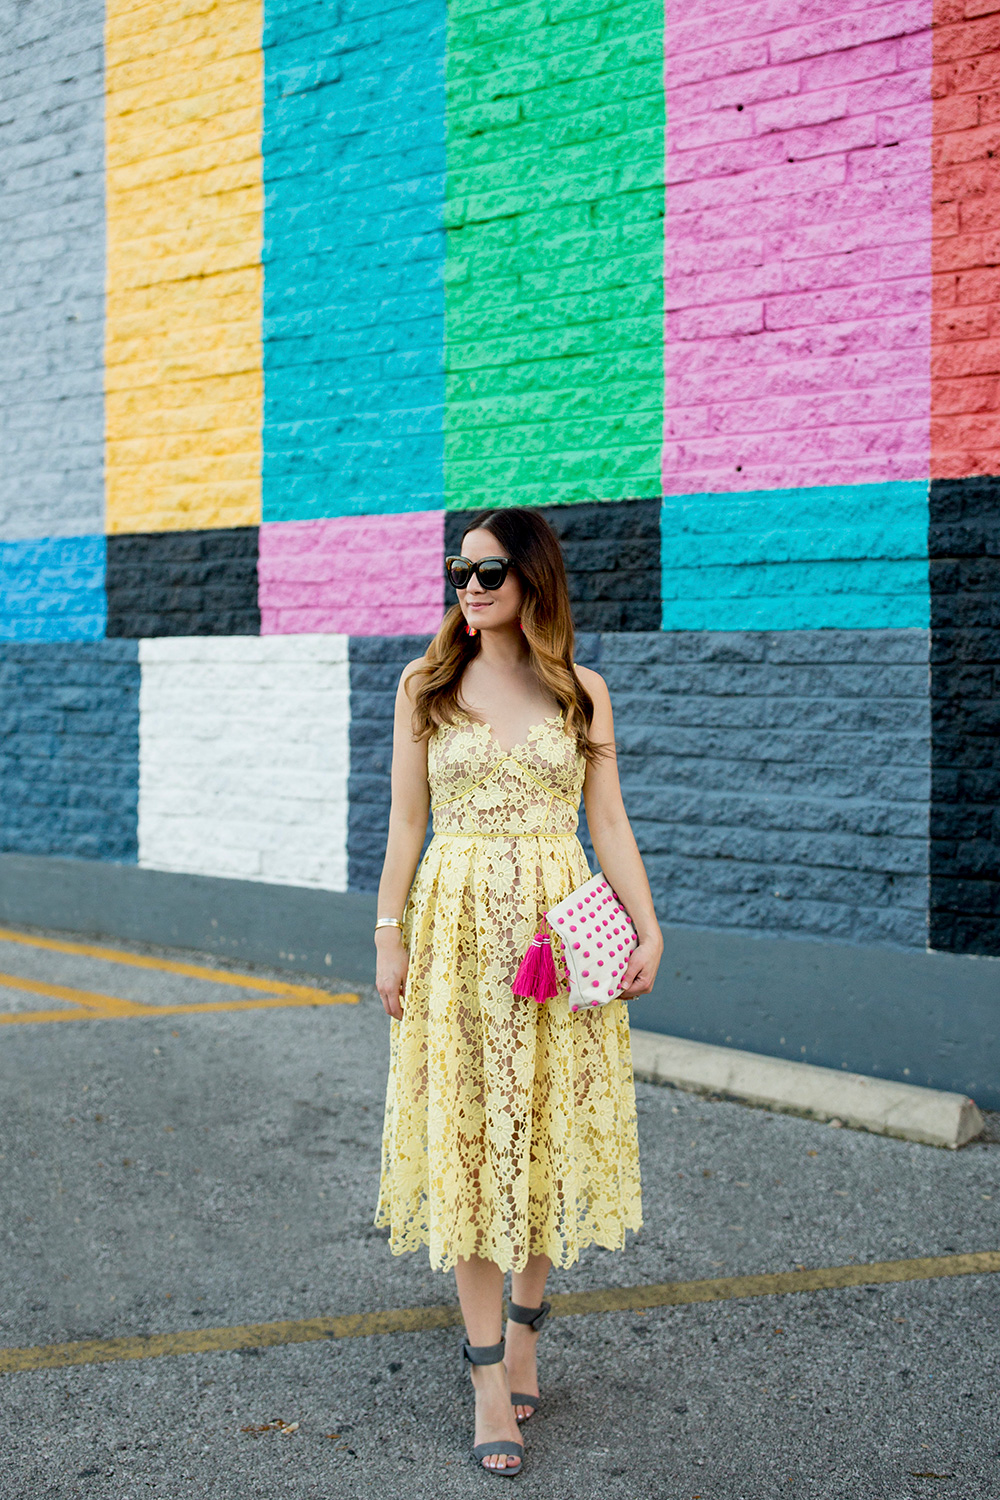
{"type": "Point", "coordinates": [387, 922]}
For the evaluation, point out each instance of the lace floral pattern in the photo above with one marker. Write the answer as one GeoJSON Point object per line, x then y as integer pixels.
{"type": "Point", "coordinates": [510, 1127]}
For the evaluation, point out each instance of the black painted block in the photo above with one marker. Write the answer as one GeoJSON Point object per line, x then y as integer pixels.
{"type": "Point", "coordinates": [183, 583]}
{"type": "Point", "coordinates": [612, 553]}
{"type": "Point", "coordinates": [964, 554]}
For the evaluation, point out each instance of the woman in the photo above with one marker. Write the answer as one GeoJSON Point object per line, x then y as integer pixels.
{"type": "Point", "coordinates": [510, 1133]}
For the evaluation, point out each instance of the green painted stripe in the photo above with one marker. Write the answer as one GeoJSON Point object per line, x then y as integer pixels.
{"type": "Point", "coordinates": [422, 1319]}
{"type": "Point", "coordinates": [554, 266]}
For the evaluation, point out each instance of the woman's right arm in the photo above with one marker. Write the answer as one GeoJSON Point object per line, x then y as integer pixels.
{"type": "Point", "coordinates": [407, 827]}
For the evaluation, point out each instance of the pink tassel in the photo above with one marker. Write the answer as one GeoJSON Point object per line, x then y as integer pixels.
{"type": "Point", "coordinates": [536, 978]}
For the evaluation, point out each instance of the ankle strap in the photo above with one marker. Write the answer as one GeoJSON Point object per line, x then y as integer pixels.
{"type": "Point", "coordinates": [483, 1354]}
{"type": "Point", "coordinates": [534, 1317]}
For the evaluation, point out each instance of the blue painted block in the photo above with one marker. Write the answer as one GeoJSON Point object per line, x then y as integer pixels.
{"type": "Point", "coordinates": [69, 749]}
{"type": "Point", "coordinates": [354, 163]}
{"type": "Point", "coordinates": [52, 589]}
{"type": "Point", "coordinates": [851, 557]}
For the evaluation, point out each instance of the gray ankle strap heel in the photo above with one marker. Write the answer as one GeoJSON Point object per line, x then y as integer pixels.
{"type": "Point", "coordinates": [492, 1354]}
{"type": "Point", "coordinates": [532, 1317]}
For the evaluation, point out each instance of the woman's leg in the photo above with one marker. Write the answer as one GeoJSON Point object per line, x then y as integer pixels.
{"type": "Point", "coordinates": [480, 1291]}
{"type": "Point", "coordinates": [527, 1288]}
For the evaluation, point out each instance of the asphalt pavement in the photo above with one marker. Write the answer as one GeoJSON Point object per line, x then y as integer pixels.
{"type": "Point", "coordinates": [201, 1169]}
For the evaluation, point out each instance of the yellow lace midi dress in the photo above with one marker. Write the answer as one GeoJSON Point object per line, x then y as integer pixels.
{"type": "Point", "coordinates": [510, 1127]}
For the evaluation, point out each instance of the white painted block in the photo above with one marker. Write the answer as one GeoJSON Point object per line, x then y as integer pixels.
{"type": "Point", "coordinates": [244, 753]}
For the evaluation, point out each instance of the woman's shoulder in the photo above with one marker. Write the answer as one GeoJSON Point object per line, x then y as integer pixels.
{"type": "Point", "coordinates": [592, 681]}
{"type": "Point", "coordinates": [406, 685]}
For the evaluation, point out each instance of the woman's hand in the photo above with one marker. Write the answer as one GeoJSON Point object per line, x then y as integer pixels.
{"type": "Point", "coordinates": [642, 966]}
{"type": "Point", "coordinates": [390, 970]}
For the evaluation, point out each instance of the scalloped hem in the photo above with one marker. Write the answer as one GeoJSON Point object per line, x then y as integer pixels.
{"type": "Point", "coordinates": [561, 1255]}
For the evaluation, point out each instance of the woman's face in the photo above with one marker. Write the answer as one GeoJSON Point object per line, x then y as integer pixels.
{"type": "Point", "coordinates": [489, 609]}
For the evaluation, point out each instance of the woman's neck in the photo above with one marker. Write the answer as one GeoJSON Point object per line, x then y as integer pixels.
{"type": "Point", "coordinates": [503, 648]}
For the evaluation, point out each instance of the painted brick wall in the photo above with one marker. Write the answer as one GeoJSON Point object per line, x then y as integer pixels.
{"type": "Point", "coordinates": [965, 356]}
{"type": "Point", "coordinates": [376, 663]}
{"type": "Point", "coordinates": [612, 561]}
{"type": "Point", "coordinates": [554, 290]}
{"type": "Point", "coordinates": [52, 268]}
{"type": "Point", "coordinates": [183, 583]}
{"type": "Point", "coordinates": [965, 715]}
{"type": "Point", "coordinates": [184, 206]}
{"type": "Point", "coordinates": [829, 557]}
{"type": "Point", "coordinates": [354, 256]}
{"type": "Point", "coordinates": [244, 758]}
{"type": "Point", "coordinates": [798, 255]}
{"type": "Point", "coordinates": [778, 781]}
{"type": "Point", "coordinates": [370, 575]}
{"type": "Point", "coordinates": [52, 589]}
{"type": "Point", "coordinates": [69, 749]}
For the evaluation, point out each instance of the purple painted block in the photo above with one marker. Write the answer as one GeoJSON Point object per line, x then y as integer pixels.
{"type": "Point", "coordinates": [353, 575]}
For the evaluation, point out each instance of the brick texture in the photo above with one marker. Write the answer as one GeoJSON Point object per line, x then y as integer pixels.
{"type": "Point", "coordinates": [778, 782]}
{"type": "Point", "coordinates": [368, 575]}
{"type": "Point", "coordinates": [965, 715]}
{"type": "Point", "coordinates": [183, 583]}
{"type": "Point", "coordinates": [833, 557]}
{"type": "Point", "coordinates": [52, 268]}
{"type": "Point", "coordinates": [554, 290]}
{"type": "Point", "coordinates": [965, 354]}
{"type": "Point", "coordinates": [52, 589]}
{"type": "Point", "coordinates": [375, 665]}
{"type": "Point", "coordinates": [184, 375]}
{"type": "Point", "coordinates": [797, 284]}
{"type": "Point", "coordinates": [244, 758]}
{"type": "Point", "coordinates": [612, 556]}
{"type": "Point", "coordinates": [69, 749]}
{"type": "Point", "coordinates": [354, 256]}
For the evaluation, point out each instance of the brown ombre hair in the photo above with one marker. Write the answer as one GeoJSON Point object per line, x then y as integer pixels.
{"type": "Point", "coordinates": [546, 619]}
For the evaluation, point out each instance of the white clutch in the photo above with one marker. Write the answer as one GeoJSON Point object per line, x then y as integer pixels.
{"type": "Point", "coordinates": [596, 937]}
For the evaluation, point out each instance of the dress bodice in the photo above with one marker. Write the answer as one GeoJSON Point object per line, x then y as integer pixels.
{"type": "Point", "coordinates": [477, 787]}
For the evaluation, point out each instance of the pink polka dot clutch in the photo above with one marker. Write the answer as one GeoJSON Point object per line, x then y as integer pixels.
{"type": "Point", "coordinates": [596, 939]}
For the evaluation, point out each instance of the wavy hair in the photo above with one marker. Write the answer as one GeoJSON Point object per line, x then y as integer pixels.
{"type": "Point", "coordinates": [546, 619]}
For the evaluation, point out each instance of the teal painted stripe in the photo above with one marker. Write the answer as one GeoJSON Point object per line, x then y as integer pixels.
{"type": "Point", "coordinates": [832, 557]}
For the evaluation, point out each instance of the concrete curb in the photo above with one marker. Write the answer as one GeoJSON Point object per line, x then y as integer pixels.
{"type": "Point", "coordinates": [930, 1116]}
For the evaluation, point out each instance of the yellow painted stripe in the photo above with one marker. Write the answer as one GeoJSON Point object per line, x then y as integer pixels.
{"type": "Point", "coordinates": [91, 1000]}
{"type": "Point", "coordinates": [421, 1319]}
{"type": "Point", "coordinates": [91, 1005]}
{"type": "Point", "coordinates": [165, 965]}
{"type": "Point", "coordinates": [184, 385]}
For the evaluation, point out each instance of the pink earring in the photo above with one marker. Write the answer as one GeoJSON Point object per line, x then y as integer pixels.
{"type": "Point", "coordinates": [471, 630]}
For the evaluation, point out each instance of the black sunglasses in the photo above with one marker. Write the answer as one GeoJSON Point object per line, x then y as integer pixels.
{"type": "Point", "coordinates": [491, 571]}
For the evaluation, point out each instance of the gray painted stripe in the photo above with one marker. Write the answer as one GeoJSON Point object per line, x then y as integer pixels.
{"type": "Point", "coordinates": [52, 270]}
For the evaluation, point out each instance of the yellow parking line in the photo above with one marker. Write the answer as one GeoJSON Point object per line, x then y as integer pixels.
{"type": "Point", "coordinates": [90, 1000]}
{"type": "Point", "coordinates": [89, 1005]}
{"type": "Point", "coordinates": [164, 965]}
{"type": "Point", "coordinates": [420, 1319]}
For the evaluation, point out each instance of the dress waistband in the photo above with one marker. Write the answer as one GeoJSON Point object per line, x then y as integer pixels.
{"type": "Point", "coordinates": [457, 835]}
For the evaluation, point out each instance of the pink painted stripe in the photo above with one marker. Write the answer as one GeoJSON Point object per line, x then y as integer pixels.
{"type": "Point", "coordinates": [798, 232]}
{"type": "Point", "coordinates": [354, 575]}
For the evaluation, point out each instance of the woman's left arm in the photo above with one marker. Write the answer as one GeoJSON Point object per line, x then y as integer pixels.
{"type": "Point", "coordinates": [614, 842]}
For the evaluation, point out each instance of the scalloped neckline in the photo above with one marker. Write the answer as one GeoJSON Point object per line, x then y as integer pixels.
{"type": "Point", "coordinates": [520, 744]}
